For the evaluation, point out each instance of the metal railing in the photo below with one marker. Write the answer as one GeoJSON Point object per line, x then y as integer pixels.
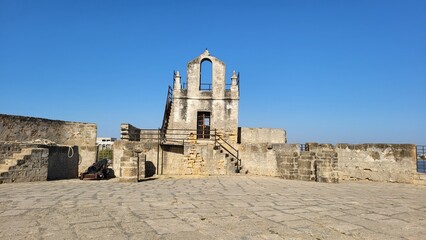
{"type": "Point", "coordinates": [421, 158]}
{"type": "Point", "coordinates": [206, 86]}
{"type": "Point", "coordinates": [167, 110]}
{"type": "Point", "coordinates": [219, 141]}
{"type": "Point", "coordinates": [182, 136]}
{"type": "Point", "coordinates": [304, 147]}
{"type": "Point", "coordinates": [209, 86]}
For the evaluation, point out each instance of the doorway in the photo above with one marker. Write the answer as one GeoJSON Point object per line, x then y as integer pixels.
{"type": "Point", "coordinates": [203, 125]}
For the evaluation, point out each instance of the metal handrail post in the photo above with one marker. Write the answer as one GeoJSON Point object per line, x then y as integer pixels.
{"type": "Point", "coordinates": [158, 151]}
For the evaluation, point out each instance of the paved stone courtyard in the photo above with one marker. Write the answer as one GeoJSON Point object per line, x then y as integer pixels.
{"type": "Point", "coordinates": [239, 207]}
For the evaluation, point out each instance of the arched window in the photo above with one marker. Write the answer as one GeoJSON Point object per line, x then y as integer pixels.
{"type": "Point", "coordinates": [206, 75]}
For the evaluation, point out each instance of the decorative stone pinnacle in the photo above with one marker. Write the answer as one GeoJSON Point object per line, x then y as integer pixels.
{"type": "Point", "coordinates": [234, 78]}
{"type": "Point", "coordinates": [206, 52]}
{"type": "Point", "coordinates": [234, 75]}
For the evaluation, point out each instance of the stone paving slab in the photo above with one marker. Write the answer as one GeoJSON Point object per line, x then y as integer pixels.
{"type": "Point", "coordinates": [219, 207]}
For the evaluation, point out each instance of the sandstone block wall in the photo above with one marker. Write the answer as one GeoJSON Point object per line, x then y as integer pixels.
{"type": "Point", "coordinates": [206, 158]}
{"type": "Point", "coordinates": [27, 129]}
{"type": "Point", "coordinates": [191, 159]}
{"type": "Point", "coordinates": [264, 152]}
{"type": "Point", "coordinates": [260, 159]}
{"type": "Point", "coordinates": [35, 162]}
{"type": "Point", "coordinates": [377, 162]}
{"type": "Point", "coordinates": [129, 132]}
{"type": "Point", "coordinates": [326, 162]}
{"type": "Point", "coordinates": [125, 160]}
{"type": "Point", "coordinates": [173, 160]}
{"type": "Point", "coordinates": [195, 159]}
{"type": "Point", "coordinates": [261, 135]}
{"type": "Point", "coordinates": [329, 163]}
{"type": "Point", "coordinates": [32, 166]}
{"type": "Point", "coordinates": [7, 149]}
{"type": "Point", "coordinates": [288, 161]}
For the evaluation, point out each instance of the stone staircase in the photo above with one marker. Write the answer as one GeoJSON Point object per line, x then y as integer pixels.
{"type": "Point", "coordinates": [225, 159]}
{"type": "Point", "coordinates": [30, 164]}
{"type": "Point", "coordinates": [10, 163]}
{"type": "Point", "coordinates": [205, 159]}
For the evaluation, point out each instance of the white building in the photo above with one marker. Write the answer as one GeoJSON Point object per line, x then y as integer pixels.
{"type": "Point", "coordinates": [105, 143]}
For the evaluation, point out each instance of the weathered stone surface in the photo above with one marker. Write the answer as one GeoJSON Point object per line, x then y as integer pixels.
{"type": "Point", "coordinates": [225, 207]}
{"type": "Point", "coordinates": [257, 159]}
{"type": "Point", "coordinates": [34, 162]}
{"type": "Point", "coordinates": [26, 166]}
{"type": "Point", "coordinates": [220, 102]}
{"type": "Point", "coordinates": [261, 135]}
{"type": "Point", "coordinates": [126, 156]}
{"type": "Point", "coordinates": [377, 162]}
{"type": "Point", "coordinates": [129, 132]}
{"type": "Point", "coordinates": [40, 130]}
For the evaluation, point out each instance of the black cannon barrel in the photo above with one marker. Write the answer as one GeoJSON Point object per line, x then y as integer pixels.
{"type": "Point", "coordinates": [98, 166]}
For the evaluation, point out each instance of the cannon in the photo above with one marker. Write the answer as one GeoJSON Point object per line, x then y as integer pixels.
{"type": "Point", "coordinates": [99, 170]}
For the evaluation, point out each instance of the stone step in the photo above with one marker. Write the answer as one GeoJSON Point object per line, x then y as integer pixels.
{"type": "Point", "coordinates": [4, 167]}
{"type": "Point", "coordinates": [9, 162]}
{"type": "Point", "coordinates": [16, 159]}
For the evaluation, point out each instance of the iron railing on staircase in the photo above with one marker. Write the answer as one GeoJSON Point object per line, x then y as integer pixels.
{"type": "Point", "coordinates": [219, 141]}
{"type": "Point", "coordinates": [167, 111]}
{"type": "Point", "coordinates": [180, 137]}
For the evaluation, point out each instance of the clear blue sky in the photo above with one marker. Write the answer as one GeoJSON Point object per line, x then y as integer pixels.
{"type": "Point", "coordinates": [326, 71]}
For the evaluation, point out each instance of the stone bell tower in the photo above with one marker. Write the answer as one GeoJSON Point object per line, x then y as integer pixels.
{"type": "Point", "coordinates": [205, 107]}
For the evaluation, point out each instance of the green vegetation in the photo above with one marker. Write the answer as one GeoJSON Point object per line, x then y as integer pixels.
{"type": "Point", "coordinates": [105, 153]}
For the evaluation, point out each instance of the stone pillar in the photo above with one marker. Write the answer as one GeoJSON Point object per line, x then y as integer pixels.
{"type": "Point", "coordinates": [141, 166]}
{"type": "Point", "coordinates": [306, 165]}
{"type": "Point", "coordinates": [129, 167]}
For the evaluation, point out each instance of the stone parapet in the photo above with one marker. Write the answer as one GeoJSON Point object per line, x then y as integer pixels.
{"type": "Point", "coordinates": [129, 132]}
{"type": "Point", "coordinates": [377, 162]}
{"type": "Point", "coordinates": [261, 135]}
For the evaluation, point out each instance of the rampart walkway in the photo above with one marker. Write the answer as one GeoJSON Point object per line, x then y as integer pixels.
{"type": "Point", "coordinates": [212, 208]}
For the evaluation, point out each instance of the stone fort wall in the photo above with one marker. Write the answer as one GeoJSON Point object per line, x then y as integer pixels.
{"type": "Point", "coordinates": [264, 151]}
{"type": "Point", "coordinates": [377, 162]}
{"type": "Point", "coordinates": [332, 163]}
{"type": "Point", "coordinates": [29, 129]}
{"type": "Point", "coordinates": [27, 162]}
